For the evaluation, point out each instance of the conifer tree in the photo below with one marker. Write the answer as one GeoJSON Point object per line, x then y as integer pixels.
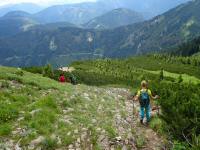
{"type": "Point", "coordinates": [161, 77]}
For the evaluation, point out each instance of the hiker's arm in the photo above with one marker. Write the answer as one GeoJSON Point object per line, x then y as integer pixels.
{"type": "Point", "coordinates": [136, 98]}
{"type": "Point", "coordinates": [151, 95]}
{"type": "Point", "coordinates": [155, 97]}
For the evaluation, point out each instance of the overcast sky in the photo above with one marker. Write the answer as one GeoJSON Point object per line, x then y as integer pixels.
{"type": "Point", "coordinates": [41, 2]}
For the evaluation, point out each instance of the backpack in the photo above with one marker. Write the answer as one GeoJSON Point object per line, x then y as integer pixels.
{"type": "Point", "coordinates": [144, 98]}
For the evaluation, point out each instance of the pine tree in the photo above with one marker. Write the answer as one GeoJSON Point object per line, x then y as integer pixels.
{"type": "Point", "coordinates": [180, 79]}
{"type": "Point", "coordinates": [161, 77]}
{"type": "Point", "coordinates": [48, 71]}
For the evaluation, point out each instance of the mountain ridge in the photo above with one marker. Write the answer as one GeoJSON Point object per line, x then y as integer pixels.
{"type": "Point", "coordinates": [66, 44]}
{"type": "Point", "coordinates": [27, 7]}
{"type": "Point", "coordinates": [115, 18]}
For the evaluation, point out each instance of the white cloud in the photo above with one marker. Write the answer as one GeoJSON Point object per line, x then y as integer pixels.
{"type": "Point", "coordinates": [41, 2]}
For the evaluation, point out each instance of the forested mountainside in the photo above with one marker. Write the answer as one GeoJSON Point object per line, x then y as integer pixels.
{"type": "Point", "coordinates": [115, 18]}
{"type": "Point", "coordinates": [68, 44]}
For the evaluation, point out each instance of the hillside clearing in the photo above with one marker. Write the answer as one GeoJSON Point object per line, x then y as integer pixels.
{"type": "Point", "coordinates": [186, 78]}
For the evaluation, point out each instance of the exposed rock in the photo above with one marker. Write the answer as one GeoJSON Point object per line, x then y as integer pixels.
{"type": "Point", "coordinates": [20, 119]}
{"type": "Point", "coordinates": [36, 142]}
{"type": "Point", "coordinates": [94, 121]}
{"type": "Point", "coordinates": [124, 147]}
{"type": "Point", "coordinates": [17, 147]}
{"type": "Point", "coordinates": [70, 146]}
{"type": "Point", "coordinates": [33, 112]}
{"type": "Point", "coordinates": [76, 131]}
{"type": "Point", "coordinates": [69, 133]}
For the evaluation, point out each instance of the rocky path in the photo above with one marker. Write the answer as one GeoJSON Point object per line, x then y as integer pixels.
{"type": "Point", "coordinates": [132, 135]}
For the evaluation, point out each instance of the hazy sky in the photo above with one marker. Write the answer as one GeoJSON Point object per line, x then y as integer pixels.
{"type": "Point", "coordinates": [41, 2]}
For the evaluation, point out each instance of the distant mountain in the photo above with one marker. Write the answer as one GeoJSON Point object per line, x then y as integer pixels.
{"type": "Point", "coordinates": [27, 7]}
{"type": "Point", "coordinates": [172, 28]}
{"type": "Point", "coordinates": [15, 22]}
{"type": "Point", "coordinates": [84, 12]}
{"type": "Point", "coordinates": [66, 44]}
{"type": "Point", "coordinates": [115, 18]}
{"type": "Point", "coordinates": [149, 7]}
{"type": "Point", "coordinates": [16, 14]}
{"type": "Point", "coordinates": [74, 13]}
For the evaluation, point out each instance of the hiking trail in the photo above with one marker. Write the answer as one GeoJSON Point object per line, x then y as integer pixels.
{"type": "Point", "coordinates": [138, 135]}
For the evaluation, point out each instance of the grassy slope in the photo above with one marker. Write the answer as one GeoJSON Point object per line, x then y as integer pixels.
{"type": "Point", "coordinates": [186, 78]}
{"type": "Point", "coordinates": [150, 63]}
{"type": "Point", "coordinates": [41, 106]}
{"type": "Point", "coordinates": [131, 71]}
{"type": "Point", "coordinates": [39, 112]}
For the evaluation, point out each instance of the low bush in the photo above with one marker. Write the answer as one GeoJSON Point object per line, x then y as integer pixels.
{"type": "Point", "coordinates": [5, 129]}
{"type": "Point", "coordinates": [8, 112]}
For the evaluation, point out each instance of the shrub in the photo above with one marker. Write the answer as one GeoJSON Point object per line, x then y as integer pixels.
{"type": "Point", "coordinates": [180, 79]}
{"type": "Point", "coordinates": [140, 141]}
{"type": "Point", "coordinates": [43, 121]}
{"type": "Point", "coordinates": [161, 77]}
{"type": "Point", "coordinates": [49, 144]}
{"type": "Point", "coordinates": [38, 70]}
{"type": "Point", "coordinates": [46, 102]}
{"type": "Point", "coordinates": [48, 71]}
{"type": "Point", "coordinates": [5, 129]}
{"type": "Point", "coordinates": [4, 84]}
{"type": "Point", "coordinates": [19, 72]}
{"type": "Point", "coordinates": [7, 112]}
{"type": "Point", "coordinates": [181, 110]}
{"type": "Point", "coordinates": [12, 78]}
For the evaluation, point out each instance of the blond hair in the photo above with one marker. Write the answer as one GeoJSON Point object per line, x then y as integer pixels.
{"type": "Point", "coordinates": [144, 84]}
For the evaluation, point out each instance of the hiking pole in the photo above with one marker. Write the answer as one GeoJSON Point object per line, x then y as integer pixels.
{"type": "Point", "coordinates": [158, 107]}
{"type": "Point", "coordinates": [131, 97]}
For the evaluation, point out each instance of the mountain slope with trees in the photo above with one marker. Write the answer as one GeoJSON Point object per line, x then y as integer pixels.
{"type": "Point", "coordinates": [188, 48]}
{"type": "Point", "coordinates": [115, 18]}
{"type": "Point", "coordinates": [63, 45]}
{"type": "Point", "coordinates": [15, 22]}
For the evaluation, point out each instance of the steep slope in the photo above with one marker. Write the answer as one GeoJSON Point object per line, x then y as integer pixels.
{"type": "Point", "coordinates": [27, 7]}
{"type": "Point", "coordinates": [40, 113]}
{"type": "Point", "coordinates": [115, 18]}
{"type": "Point", "coordinates": [188, 49]}
{"type": "Point", "coordinates": [172, 28]}
{"type": "Point", "coordinates": [15, 22]}
{"type": "Point", "coordinates": [61, 46]}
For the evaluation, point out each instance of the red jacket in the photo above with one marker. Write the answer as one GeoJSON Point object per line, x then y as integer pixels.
{"type": "Point", "coordinates": [62, 79]}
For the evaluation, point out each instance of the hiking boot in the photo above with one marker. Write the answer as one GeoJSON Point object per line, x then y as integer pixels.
{"type": "Point", "coordinates": [147, 123]}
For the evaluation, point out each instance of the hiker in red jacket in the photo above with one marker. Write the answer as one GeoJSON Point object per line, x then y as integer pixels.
{"type": "Point", "coordinates": [62, 78]}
